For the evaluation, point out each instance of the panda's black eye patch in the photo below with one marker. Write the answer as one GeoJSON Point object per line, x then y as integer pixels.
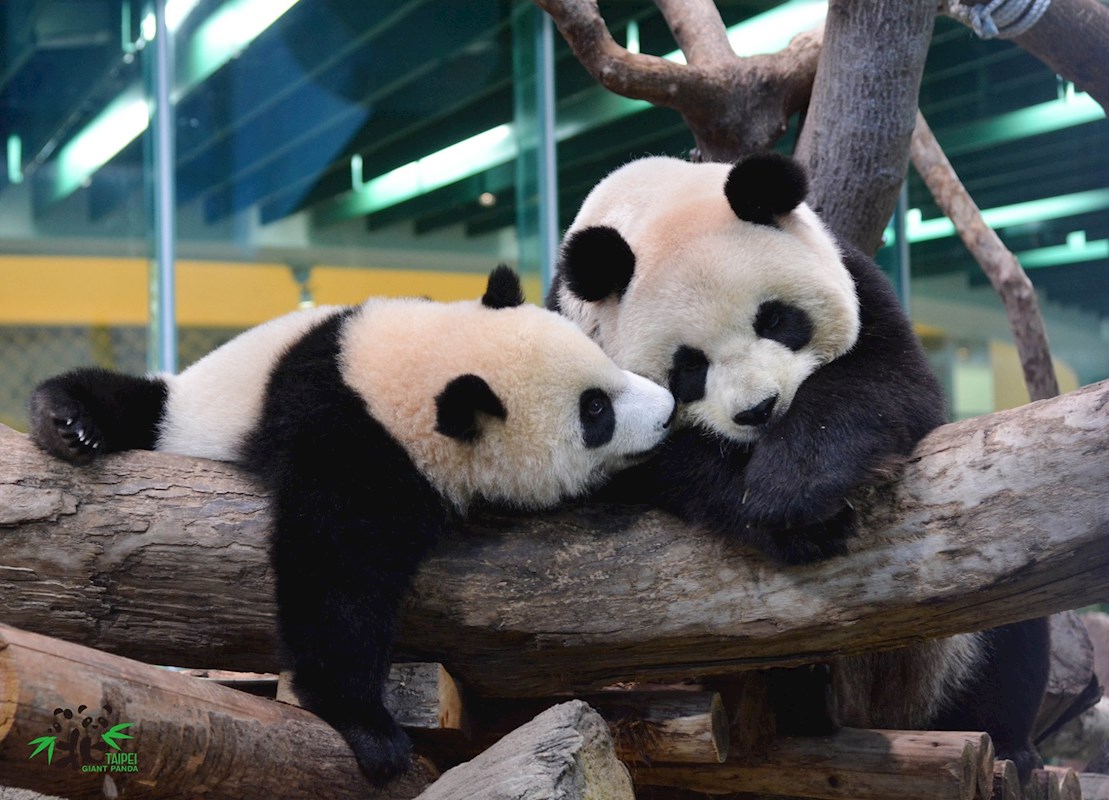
{"type": "Point", "coordinates": [598, 418]}
{"type": "Point", "coordinates": [784, 323]}
{"type": "Point", "coordinates": [688, 372]}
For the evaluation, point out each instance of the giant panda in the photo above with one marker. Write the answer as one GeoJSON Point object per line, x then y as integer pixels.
{"type": "Point", "coordinates": [799, 380]}
{"type": "Point", "coordinates": [374, 427]}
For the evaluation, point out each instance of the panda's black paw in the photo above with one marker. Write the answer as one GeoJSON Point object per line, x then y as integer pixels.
{"type": "Point", "coordinates": [1025, 758]}
{"type": "Point", "coordinates": [383, 751]}
{"type": "Point", "coordinates": [62, 426]}
{"type": "Point", "coordinates": [807, 543]}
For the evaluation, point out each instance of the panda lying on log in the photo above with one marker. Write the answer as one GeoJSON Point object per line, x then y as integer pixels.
{"type": "Point", "coordinates": [374, 427]}
{"type": "Point", "coordinates": [798, 380]}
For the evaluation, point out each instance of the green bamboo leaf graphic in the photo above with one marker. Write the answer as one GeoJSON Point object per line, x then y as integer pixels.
{"type": "Point", "coordinates": [116, 732]}
{"type": "Point", "coordinates": [44, 743]}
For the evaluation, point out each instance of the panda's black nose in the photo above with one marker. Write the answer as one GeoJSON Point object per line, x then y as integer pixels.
{"type": "Point", "coordinates": [756, 415]}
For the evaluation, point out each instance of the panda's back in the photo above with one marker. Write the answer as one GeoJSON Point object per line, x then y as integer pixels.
{"type": "Point", "coordinates": [213, 405]}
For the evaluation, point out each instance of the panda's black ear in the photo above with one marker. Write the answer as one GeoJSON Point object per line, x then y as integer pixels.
{"type": "Point", "coordinates": [765, 186]}
{"type": "Point", "coordinates": [596, 263]}
{"type": "Point", "coordinates": [457, 407]}
{"type": "Point", "coordinates": [503, 290]}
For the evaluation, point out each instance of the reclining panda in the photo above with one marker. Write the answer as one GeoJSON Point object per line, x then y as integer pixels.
{"type": "Point", "coordinates": [374, 427]}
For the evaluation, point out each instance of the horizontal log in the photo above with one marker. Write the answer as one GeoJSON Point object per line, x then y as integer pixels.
{"type": "Point", "coordinates": [1006, 781]}
{"type": "Point", "coordinates": [186, 737]}
{"type": "Point", "coordinates": [162, 558]}
{"type": "Point", "coordinates": [856, 764]}
{"type": "Point", "coordinates": [647, 726]}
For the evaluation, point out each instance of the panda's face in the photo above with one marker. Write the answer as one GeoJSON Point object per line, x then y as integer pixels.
{"type": "Point", "coordinates": [514, 405]}
{"type": "Point", "coordinates": [732, 315]}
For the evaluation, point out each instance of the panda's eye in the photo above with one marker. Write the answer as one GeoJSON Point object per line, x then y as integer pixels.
{"type": "Point", "coordinates": [688, 372]}
{"type": "Point", "coordinates": [598, 418]}
{"type": "Point", "coordinates": [784, 323]}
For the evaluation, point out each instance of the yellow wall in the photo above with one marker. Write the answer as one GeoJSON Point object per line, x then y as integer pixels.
{"type": "Point", "coordinates": [1009, 390]}
{"type": "Point", "coordinates": [40, 290]}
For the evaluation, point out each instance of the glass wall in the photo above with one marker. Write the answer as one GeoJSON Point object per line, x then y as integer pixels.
{"type": "Point", "coordinates": [326, 150]}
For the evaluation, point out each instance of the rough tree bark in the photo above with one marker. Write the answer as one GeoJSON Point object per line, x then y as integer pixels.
{"type": "Point", "coordinates": [1072, 38]}
{"type": "Point", "coordinates": [855, 140]}
{"type": "Point", "coordinates": [162, 558]}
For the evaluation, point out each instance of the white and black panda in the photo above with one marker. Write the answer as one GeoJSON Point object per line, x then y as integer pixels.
{"type": "Point", "coordinates": [799, 380]}
{"type": "Point", "coordinates": [374, 426]}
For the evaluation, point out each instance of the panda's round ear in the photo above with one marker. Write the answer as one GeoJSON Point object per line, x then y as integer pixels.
{"type": "Point", "coordinates": [503, 290]}
{"type": "Point", "coordinates": [458, 406]}
{"type": "Point", "coordinates": [763, 187]}
{"type": "Point", "coordinates": [596, 263]}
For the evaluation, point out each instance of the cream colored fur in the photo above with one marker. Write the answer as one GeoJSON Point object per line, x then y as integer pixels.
{"type": "Point", "coordinates": [399, 355]}
{"type": "Point", "coordinates": [700, 276]}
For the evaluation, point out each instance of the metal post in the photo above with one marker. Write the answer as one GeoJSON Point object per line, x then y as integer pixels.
{"type": "Point", "coordinates": [163, 345]}
{"type": "Point", "coordinates": [546, 147]}
{"type": "Point", "coordinates": [902, 273]}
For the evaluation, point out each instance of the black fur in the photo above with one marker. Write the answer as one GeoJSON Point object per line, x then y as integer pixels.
{"type": "Point", "coordinates": [596, 263]}
{"type": "Point", "coordinates": [765, 186]}
{"type": "Point", "coordinates": [90, 411]}
{"type": "Point", "coordinates": [503, 290]}
{"type": "Point", "coordinates": [353, 517]}
{"type": "Point", "coordinates": [689, 370]}
{"type": "Point", "coordinates": [458, 405]}
{"type": "Point", "coordinates": [1004, 694]}
{"type": "Point", "coordinates": [598, 417]}
{"type": "Point", "coordinates": [784, 323]}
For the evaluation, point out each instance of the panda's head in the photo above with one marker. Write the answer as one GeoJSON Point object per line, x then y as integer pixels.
{"type": "Point", "coordinates": [499, 399]}
{"type": "Point", "coordinates": [715, 280]}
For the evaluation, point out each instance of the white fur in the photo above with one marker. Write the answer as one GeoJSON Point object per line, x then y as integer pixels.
{"type": "Point", "coordinates": [701, 275]}
{"type": "Point", "coordinates": [398, 355]}
{"type": "Point", "coordinates": [214, 403]}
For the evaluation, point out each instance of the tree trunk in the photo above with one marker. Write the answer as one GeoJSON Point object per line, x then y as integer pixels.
{"type": "Point", "coordinates": [855, 138]}
{"type": "Point", "coordinates": [996, 519]}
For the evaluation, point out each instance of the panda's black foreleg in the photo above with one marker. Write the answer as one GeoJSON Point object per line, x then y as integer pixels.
{"type": "Point", "coordinates": [1004, 695]}
{"type": "Point", "coordinates": [341, 578]}
{"type": "Point", "coordinates": [90, 411]}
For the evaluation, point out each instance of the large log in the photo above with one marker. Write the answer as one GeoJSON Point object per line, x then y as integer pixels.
{"type": "Point", "coordinates": [183, 736]}
{"type": "Point", "coordinates": [996, 519]}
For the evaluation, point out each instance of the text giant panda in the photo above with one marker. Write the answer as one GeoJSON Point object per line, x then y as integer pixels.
{"type": "Point", "coordinates": [373, 427]}
{"type": "Point", "coordinates": [799, 380]}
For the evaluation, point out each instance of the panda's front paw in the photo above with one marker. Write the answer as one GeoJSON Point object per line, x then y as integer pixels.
{"type": "Point", "coordinates": [383, 751]}
{"type": "Point", "coordinates": [807, 543]}
{"type": "Point", "coordinates": [62, 426]}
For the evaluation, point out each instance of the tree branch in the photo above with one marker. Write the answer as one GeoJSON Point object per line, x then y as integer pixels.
{"type": "Point", "coordinates": [1072, 38]}
{"type": "Point", "coordinates": [698, 30]}
{"type": "Point", "coordinates": [1002, 268]}
{"type": "Point", "coordinates": [733, 106]}
{"type": "Point", "coordinates": [996, 519]}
